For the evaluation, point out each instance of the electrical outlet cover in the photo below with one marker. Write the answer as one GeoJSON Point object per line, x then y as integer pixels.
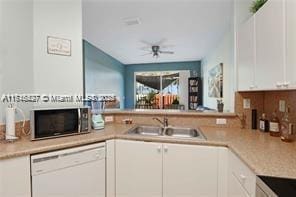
{"type": "Point", "coordinates": [221, 121]}
{"type": "Point", "coordinates": [282, 105]}
{"type": "Point", "coordinates": [109, 118]}
{"type": "Point", "coordinates": [247, 103]}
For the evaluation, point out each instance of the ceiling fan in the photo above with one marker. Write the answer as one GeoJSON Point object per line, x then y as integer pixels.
{"type": "Point", "coordinates": [155, 49]}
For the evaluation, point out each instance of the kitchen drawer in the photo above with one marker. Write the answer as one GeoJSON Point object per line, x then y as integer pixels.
{"type": "Point", "coordinates": [244, 175]}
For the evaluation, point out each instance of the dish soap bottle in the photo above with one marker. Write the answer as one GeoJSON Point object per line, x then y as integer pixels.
{"type": "Point", "coordinates": [287, 134]}
{"type": "Point", "coordinates": [274, 125]}
{"type": "Point", "coordinates": [263, 123]}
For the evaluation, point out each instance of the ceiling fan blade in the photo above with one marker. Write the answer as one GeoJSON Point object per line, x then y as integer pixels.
{"type": "Point", "coordinates": [160, 42]}
{"type": "Point", "coordinates": [147, 54]}
{"type": "Point", "coordinates": [146, 42]}
{"type": "Point", "coordinates": [166, 52]}
{"type": "Point", "coordinates": [167, 46]}
{"type": "Point", "coordinates": [145, 49]}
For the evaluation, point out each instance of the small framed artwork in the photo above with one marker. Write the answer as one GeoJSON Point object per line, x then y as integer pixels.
{"type": "Point", "coordinates": [58, 46]}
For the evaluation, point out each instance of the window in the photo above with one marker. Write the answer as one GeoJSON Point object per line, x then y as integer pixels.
{"type": "Point", "coordinates": [160, 90]}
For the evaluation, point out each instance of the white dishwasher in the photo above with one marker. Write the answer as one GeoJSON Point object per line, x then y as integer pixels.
{"type": "Point", "coordinates": [74, 172]}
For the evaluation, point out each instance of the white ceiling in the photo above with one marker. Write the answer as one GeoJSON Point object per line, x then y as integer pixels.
{"type": "Point", "coordinates": [193, 27]}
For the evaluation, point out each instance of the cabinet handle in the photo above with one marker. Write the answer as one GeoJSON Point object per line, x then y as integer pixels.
{"type": "Point", "coordinates": [159, 149]}
{"type": "Point", "coordinates": [243, 177]}
{"type": "Point", "coordinates": [252, 87]}
{"type": "Point", "coordinates": [166, 149]}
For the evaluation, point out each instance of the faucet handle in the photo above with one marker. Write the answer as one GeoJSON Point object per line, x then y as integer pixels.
{"type": "Point", "coordinates": [165, 121]}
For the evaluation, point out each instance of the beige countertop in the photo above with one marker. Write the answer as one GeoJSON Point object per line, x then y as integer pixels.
{"type": "Point", "coordinates": [264, 154]}
{"type": "Point", "coordinates": [170, 112]}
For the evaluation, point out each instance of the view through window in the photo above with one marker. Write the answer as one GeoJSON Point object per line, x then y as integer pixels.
{"type": "Point", "coordinates": [158, 90]}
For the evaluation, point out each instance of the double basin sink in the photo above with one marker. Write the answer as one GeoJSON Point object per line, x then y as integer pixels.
{"type": "Point", "coordinates": [175, 132]}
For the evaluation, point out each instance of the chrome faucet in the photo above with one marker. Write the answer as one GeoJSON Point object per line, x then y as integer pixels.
{"type": "Point", "coordinates": [165, 122]}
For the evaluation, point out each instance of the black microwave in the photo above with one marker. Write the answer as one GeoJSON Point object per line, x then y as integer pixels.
{"type": "Point", "coordinates": [52, 123]}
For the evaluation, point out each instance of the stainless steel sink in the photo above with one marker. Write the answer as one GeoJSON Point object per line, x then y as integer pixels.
{"type": "Point", "coordinates": [174, 132]}
{"type": "Point", "coordinates": [146, 130]}
{"type": "Point", "coordinates": [182, 132]}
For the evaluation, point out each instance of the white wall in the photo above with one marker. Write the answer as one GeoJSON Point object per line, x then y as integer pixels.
{"type": "Point", "coordinates": [16, 41]}
{"type": "Point", "coordinates": [1, 58]}
{"type": "Point", "coordinates": [25, 66]}
{"type": "Point", "coordinates": [54, 74]}
{"type": "Point", "coordinates": [223, 53]}
{"type": "Point", "coordinates": [183, 89]}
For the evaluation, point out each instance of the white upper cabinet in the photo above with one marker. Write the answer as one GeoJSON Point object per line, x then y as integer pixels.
{"type": "Point", "coordinates": [266, 47]}
{"type": "Point", "coordinates": [291, 43]}
{"type": "Point", "coordinates": [246, 55]}
{"type": "Point", "coordinates": [270, 44]}
{"type": "Point", "coordinates": [190, 170]}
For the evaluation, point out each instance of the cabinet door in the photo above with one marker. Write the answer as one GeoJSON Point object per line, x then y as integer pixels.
{"type": "Point", "coordinates": [138, 169]}
{"type": "Point", "coordinates": [235, 189]}
{"type": "Point", "coordinates": [246, 55]}
{"type": "Point", "coordinates": [270, 45]}
{"type": "Point", "coordinates": [291, 43]}
{"type": "Point", "coordinates": [189, 170]}
{"type": "Point", "coordinates": [110, 168]}
{"type": "Point", "coordinates": [15, 177]}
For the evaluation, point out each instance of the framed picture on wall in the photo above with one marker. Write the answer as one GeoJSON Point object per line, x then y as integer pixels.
{"type": "Point", "coordinates": [215, 82]}
{"type": "Point", "coordinates": [58, 46]}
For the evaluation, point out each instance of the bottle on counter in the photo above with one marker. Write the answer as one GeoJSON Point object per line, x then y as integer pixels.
{"type": "Point", "coordinates": [263, 123]}
{"type": "Point", "coordinates": [286, 128]}
{"type": "Point", "coordinates": [274, 126]}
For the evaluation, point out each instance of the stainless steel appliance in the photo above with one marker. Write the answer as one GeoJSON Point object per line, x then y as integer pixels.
{"type": "Point", "coordinates": [267, 186]}
{"type": "Point", "coordinates": [51, 123]}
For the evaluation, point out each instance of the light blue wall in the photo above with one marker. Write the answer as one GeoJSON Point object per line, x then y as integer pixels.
{"type": "Point", "coordinates": [103, 73]}
{"type": "Point", "coordinates": [131, 69]}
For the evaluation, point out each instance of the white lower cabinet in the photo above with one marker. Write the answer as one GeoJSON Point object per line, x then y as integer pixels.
{"type": "Point", "coordinates": [241, 180]}
{"type": "Point", "coordinates": [149, 169]}
{"type": "Point", "coordinates": [235, 189]}
{"type": "Point", "coordinates": [156, 169]}
{"type": "Point", "coordinates": [138, 169]}
{"type": "Point", "coordinates": [15, 180]}
{"type": "Point", "coordinates": [189, 170]}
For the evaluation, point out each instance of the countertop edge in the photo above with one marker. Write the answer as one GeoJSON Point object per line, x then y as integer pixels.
{"type": "Point", "coordinates": [170, 113]}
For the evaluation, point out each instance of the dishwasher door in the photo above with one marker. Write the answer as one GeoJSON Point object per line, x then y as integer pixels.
{"type": "Point", "coordinates": [75, 172]}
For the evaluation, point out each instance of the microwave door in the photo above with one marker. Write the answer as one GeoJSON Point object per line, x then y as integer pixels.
{"type": "Point", "coordinates": [56, 122]}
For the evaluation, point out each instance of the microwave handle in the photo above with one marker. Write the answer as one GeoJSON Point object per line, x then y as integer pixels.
{"type": "Point", "coordinates": [79, 120]}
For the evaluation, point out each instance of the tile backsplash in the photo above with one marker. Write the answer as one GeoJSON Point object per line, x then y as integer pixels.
{"type": "Point", "coordinates": [18, 129]}
{"type": "Point", "coordinates": [266, 102]}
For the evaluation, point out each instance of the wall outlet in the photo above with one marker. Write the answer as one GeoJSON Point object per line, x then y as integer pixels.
{"type": "Point", "coordinates": [109, 119]}
{"type": "Point", "coordinates": [247, 103]}
{"type": "Point", "coordinates": [221, 121]}
{"type": "Point", "coordinates": [282, 105]}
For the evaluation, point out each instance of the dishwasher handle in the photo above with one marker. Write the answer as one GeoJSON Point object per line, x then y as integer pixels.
{"type": "Point", "coordinates": [82, 151]}
{"type": "Point", "coordinates": [43, 159]}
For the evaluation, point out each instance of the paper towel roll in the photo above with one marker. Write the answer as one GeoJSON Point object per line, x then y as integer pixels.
{"type": "Point", "coordinates": [10, 122]}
